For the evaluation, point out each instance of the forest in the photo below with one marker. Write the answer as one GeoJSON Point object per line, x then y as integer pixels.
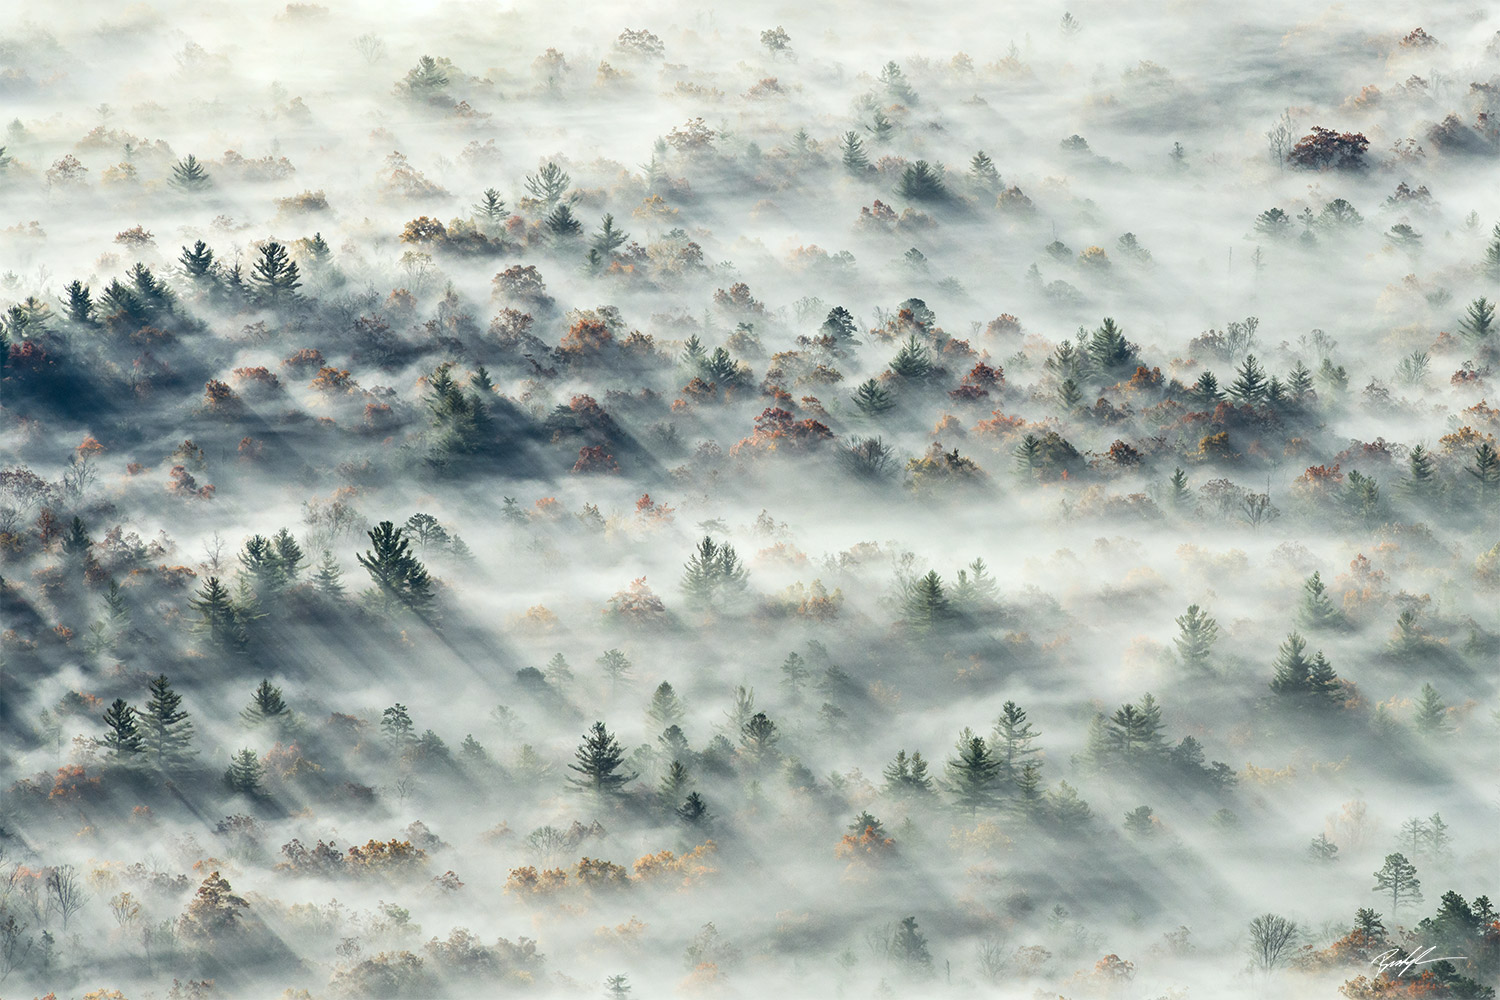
{"type": "Point", "coordinates": [699, 501]}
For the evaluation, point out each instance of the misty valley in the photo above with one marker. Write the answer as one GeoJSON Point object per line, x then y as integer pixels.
{"type": "Point", "coordinates": [669, 501]}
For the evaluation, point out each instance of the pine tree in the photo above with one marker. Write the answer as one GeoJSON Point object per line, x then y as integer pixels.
{"type": "Point", "coordinates": [909, 947]}
{"type": "Point", "coordinates": [80, 304]}
{"type": "Point", "coordinates": [549, 184]}
{"type": "Point", "coordinates": [1322, 682]}
{"type": "Point", "coordinates": [1431, 719]}
{"type": "Point", "coordinates": [1491, 263]}
{"type": "Point", "coordinates": [913, 361]}
{"type": "Point", "coordinates": [265, 705]}
{"type": "Point", "coordinates": [1205, 391]}
{"type": "Point", "coordinates": [926, 605]}
{"type": "Point", "coordinates": [329, 578]}
{"type": "Point", "coordinates": [1398, 877]}
{"type": "Point", "coordinates": [794, 676]}
{"type": "Point", "coordinates": [665, 709]}
{"type": "Point", "coordinates": [713, 575]}
{"type": "Point", "coordinates": [1299, 383]}
{"type": "Point", "coordinates": [1109, 353]}
{"type": "Point", "coordinates": [1140, 822]}
{"type": "Point", "coordinates": [397, 728]}
{"type": "Point", "coordinates": [276, 277]}
{"type": "Point", "coordinates": [188, 175]}
{"type": "Point", "coordinates": [562, 224]}
{"type": "Point", "coordinates": [76, 541]}
{"type": "Point", "coordinates": [1012, 741]}
{"type": "Point", "coordinates": [1421, 474]}
{"type": "Point", "coordinates": [1322, 849]}
{"type": "Point", "coordinates": [983, 173]}
{"type": "Point", "coordinates": [491, 208]}
{"type": "Point", "coordinates": [198, 262]}
{"type": "Point", "coordinates": [1250, 384]}
{"type": "Point", "coordinates": [400, 578]}
{"type": "Point", "coordinates": [839, 324]}
{"type": "Point", "coordinates": [288, 555]}
{"type": "Point", "coordinates": [245, 773]}
{"type": "Point", "coordinates": [921, 181]}
{"type": "Point", "coordinates": [694, 811]}
{"type": "Point", "coordinates": [1479, 321]}
{"type": "Point", "coordinates": [1065, 809]}
{"type": "Point", "coordinates": [123, 740]}
{"type": "Point", "coordinates": [973, 774]}
{"type": "Point", "coordinates": [1317, 609]}
{"type": "Point", "coordinates": [599, 759]}
{"type": "Point", "coordinates": [616, 666]}
{"type": "Point", "coordinates": [1293, 670]}
{"type": "Point", "coordinates": [758, 737]}
{"type": "Point", "coordinates": [1198, 633]}
{"type": "Point", "coordinates": [975, 591]}
{"type": "Point", "coordinates": [218, 618]}
{"type": "Point", "coordinates": [1486, 470]}
{"type": "Point", "coordinates": [1098, 749]}
{"type": "Point", "coordinates": [609, 238]}
{"type": "Point", "coordinates": [872, 398]}
{"type": "Point", "coordinates": [319, 252]}
{"type": "Point", "coordinates": [674, 785]}
{"type": "Point", "coordinates": [167, 733]}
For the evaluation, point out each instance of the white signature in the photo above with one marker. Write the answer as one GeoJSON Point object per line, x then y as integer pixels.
{"type": "Point", "coordinates": [1394, 959]}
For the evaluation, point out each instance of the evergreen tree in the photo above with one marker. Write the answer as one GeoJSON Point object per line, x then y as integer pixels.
{"type": "Point", "coordinates": [1065, 809]}
{"type": "Point", "coordinates": [76, 541]}
{"type": "Point", "coordinates": [1299, 383]}
{"type": "Point", "coordinates": [973, 774]}
{"type": "Point", "coordinates": [599, 759]}
{"type": "Point", "coordinates": [123, 740]}
{"type": "Point", "coordinates": [289, 555]}
{"type": "Point", "coordinates": [1028, 456]}
{"type": "Point", "coordinates": [1012, 741]}
{"type": "Point", "coordinates": [665, 709]}
{"type": "Point", "coordinates": [1109, 353]}
{"type": "Point", "coordinates": [872, 398]}
{"type": "Point", "coordinates": [921, 181]}
{"type": "Point", "coordinates": [839, 324]}
{"type": "Point", "coordinates": [1069, 394]}
{"type": "Point", "coordinates": [1479, 321]}
{"type": "Point", "coordinates": [616, 666]}
{"type": "Point", "coordinates": [1432, 714]}
{"type": "Point", "coordinates": [909, 947]}
{"type": "Point", "coordinates": [794, 676]}
{"type": "Point", "coordinates": [1198, 632]}
{"type": "Point", "coordinates": [265, 705]}
{"type": "Point", "coordinates": [983, 173]}
{"type": "Point", "coordinates": [397, 728]}
{"type": "Point", "coordinates": [549, 184]}
{"type": "Point", "coordinates": [245, 773]}
{"type": "Point", "coordinates": [975, 591]}
{"type": "Point", "coordinates": [926, 605]}
{"type": "Point", "coordinates": [694, 811]}
{"type": "Point", "coordinates": [1322, 849]}
{"type": "Point", "coordinates": [609, 238]}
{"type": "Point", "coordinates": [319, 251]}
{"type": "Point", "coordinates": [1323, 683]}
{"type": "Point", "coordinates": [1398, 877]}
{"type": "Point", "coordinates": [907, 776]}
{"type": "Point", "coordinates": [1250, 384]}
{"type": "Point", "coordinates": [1098, 748]}
{"type": "Point", "coordinates": [1293, 669]}
{"type": "Point", "coordinates": [1486, 470]}
{"type": "Point", "coordinates": [276, 277]}
{"type": "Point", "coordinates": [562, 224]}
{"type": "Point", "coordinates": [1178, 495]}
{"type": "Point", "coordinates": [758, 737]}
{"type": "Point", "coordinates": [1317, 609]}
{"type": "Point", "coordinates": [329, 578]}
{"type": "Point", "coordinates": [218, 618]}
{"type": "Point", "coordinates": [80, 304]}
{"type": "Point", "coordinates": [188, 175]}
{"type": "Point", "coordinates": [1205, 391]}
{"type": "Point", "coordinates": [198, 262]}
{"type": "Point", "coordinates": [674, 785]}
{"type": "Point", "coordinates": [713, 575]}
{"type": "Point", "coordinates": [491, 208]}
{"type": "Point", "coordinates": [852, 152]}
{"type": "Point", "coordinates": [1421, 475]}
{"type": "Point", "coordinates": [1140, 822]}
{"type": "Point", "coordinates": [426, 79]}
{"type": "Point", "coordinates": [167, 733]}
{"type": "Point", "coordinates": [400, 578]}
{"type": "Point", "coordinates": [1491, 263]}
{"type": "Point", "coordinates": [913, 361]}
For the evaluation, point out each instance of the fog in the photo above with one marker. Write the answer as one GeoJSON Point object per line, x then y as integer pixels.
{"type": "Point", "coordinates": [493, 500]}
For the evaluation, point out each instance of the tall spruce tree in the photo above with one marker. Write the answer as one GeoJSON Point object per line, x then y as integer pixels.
{"type": "Point", "coordinates": [167, 732]}
{"type": "Point", "coordinates": [1197, 634]}
{"type": "Point", "coordinates": [1012, 741]}
{"type": "Point", "coordinates": [973, 773]}
{"type": "Point", "coordinates": [400, 578]}
{"type": "Point", "coordinates": [188, 175]}
{"type": "Point", "coordinates": [599, 760]}
{"type": "Point", "coordinates": [266, 705]}
{"type": "Point", "coordinates": [926, 604]}
{"type": "Point", "coordinates": [275, 276]}
{"type": "Point", "coordinates": [123, 739]}
{"type": "Point", "coordinates": [245, 773]}
{"type": "Point", "coordinates": [1250, 384]}
{"type": "Point", "coordinates": [714, 575]}
{"type": "Point", "coordinates": [218, 617]}
{"type": "Point", "coordinates": [1317, 609]}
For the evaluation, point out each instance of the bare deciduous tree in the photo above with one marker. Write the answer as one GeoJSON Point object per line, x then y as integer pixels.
{"type": "Point", "coordinates": [1271, 940]}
